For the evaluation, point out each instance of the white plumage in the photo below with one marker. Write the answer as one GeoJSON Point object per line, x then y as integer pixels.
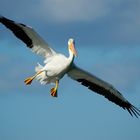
{"type": "Point", "coordinates": [50, 73]}
{"type": "Point", "coordinates": [57, 65]}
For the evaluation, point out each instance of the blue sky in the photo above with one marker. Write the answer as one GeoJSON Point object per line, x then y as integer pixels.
{"type": "Point", "coordinates": [106, 34]}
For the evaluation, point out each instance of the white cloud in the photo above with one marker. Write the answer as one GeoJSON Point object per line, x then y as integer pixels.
{"type": "Point", "coordinates": [93, 21]}
{"type": "Point", "coordinates": [75, 10]}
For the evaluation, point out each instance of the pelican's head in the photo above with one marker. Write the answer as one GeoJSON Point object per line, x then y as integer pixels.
{"type": "Point", "coordinates": [71, 45]}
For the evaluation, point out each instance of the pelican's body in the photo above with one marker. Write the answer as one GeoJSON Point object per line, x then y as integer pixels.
{"type": "Point", "coordinates": [50, 74]}
{"type": "Point", "coordinates": [57, 65]}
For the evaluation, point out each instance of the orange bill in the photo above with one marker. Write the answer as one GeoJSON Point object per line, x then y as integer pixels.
{"type": "Point", "coordinates": [73, 49]}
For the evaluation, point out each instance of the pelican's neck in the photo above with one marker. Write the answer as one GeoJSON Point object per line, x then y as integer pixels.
{"type": "Point", "coordinates": [71, 56]}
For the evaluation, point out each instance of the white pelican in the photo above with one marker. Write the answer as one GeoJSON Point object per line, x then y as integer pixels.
{"type": "Point", "coordinates": [57, 65]}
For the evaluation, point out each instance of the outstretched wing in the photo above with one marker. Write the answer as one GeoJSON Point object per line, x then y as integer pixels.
{"type": "Point", "coordinates": [103, 88]}
{"type": "Point", "coordinates": [28, 36]}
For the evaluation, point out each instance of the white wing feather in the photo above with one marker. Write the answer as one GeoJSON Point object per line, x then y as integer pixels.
{"type": "Point", "coordinates": [39, 45]}
{"type": "Point", "coordinates": [29, 37]}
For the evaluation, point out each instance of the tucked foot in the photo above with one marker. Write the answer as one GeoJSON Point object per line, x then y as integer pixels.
{"type": "Point", "coordinates": [28, 81]}
{"type": "Point", "coordinates": [54, 92]}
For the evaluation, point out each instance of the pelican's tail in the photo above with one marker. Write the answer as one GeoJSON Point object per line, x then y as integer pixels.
{"type": "Point", "coordinates": [38, 67]}
{"type": "Point", "coordinates": [42, 78]}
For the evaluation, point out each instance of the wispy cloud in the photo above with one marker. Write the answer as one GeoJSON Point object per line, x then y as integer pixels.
{"type": "Point", "coordinates": [72, 11]}
{"type": "Point", "coordinates": [92, 21]}
{"type": "Point", "coordinates": [63, 10]}
{"type": "Point", "coordinates": [119, 66]}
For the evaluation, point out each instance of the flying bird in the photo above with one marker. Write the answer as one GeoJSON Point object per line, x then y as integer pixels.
{"type": "Point", "coordinates": [56, 65]}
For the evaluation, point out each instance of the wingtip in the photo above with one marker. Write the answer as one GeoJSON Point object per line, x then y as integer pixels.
{"type": "Point", "coordinates": [1, 16]}
{"type": "Point", "coordinates": [133, 111]}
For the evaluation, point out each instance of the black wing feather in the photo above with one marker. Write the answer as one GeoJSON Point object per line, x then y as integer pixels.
{"type": "Point", "coordinates": [18, 31]}
{"type": "Point", "coordinates": [103, 88]}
